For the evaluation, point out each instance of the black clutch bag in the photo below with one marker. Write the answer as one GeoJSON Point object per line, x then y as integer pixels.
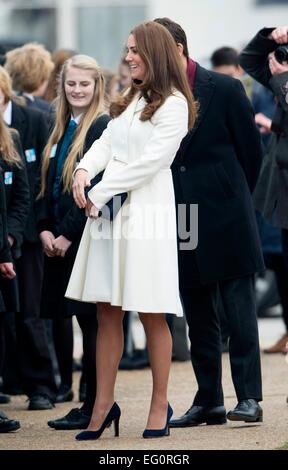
{"type": "Point", "coordinates": [113, 206]}
{"type": "Point", "coordinates": [111, 209]}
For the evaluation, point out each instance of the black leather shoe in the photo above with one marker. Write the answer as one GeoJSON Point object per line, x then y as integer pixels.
{"type": "Point", "coordinates": [39, 401]}
{"type": "Point", "coordinates": [65, 393]}
{"type": "Point", "coordinates": [247, 410]}
{"type": "Point", "coordinates": [8, 425]}
{"type": "Point", "coordinates": [75, 419]}
{"type": "Point", "coordinates": [4, 398]}
{"type": "Point", "coordinates": [198, 415]}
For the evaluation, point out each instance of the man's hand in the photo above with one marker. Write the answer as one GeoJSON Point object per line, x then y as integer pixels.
{"type": "Point", "coordinates": [275, 67]}
{"type": "Point", "coordinates": [11, 240]}
{"type": "Point", "coordinates": [47, 239]}
{"type": "Point", "coordinates": [81, 181]}
{"type": "Point", "coordinates": [61, 245]}
{"type": "Point", "coordinates": [264, 122]}
{"type": "Point", "coordinates": [280, 35]}
{"type": "Point", "coordinates": [91, 210]}
{"type": "Point", "coordinates": [7, 270]}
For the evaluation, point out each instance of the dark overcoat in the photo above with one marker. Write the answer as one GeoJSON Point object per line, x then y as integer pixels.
{"type": "Point", "coordinates": [271, 192]}
{"type": "Point", "coordinates": [216, 167]}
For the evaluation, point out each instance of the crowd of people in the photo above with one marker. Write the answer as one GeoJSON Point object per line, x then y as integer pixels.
{"type": "Point", "coordinates": [100, 176]}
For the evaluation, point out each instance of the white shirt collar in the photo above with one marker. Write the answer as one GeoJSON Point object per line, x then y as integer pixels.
{"type": "Point", "coordinates": [7, 115]}
{"type": "Point", "coordinates": [29, 96]}
{"type": "Point", "coordinates": [76, 119]}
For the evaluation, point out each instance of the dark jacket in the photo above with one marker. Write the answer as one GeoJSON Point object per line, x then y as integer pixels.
{"type": "Point", "coordinates": [70, 223]}
{"type": "Point", "coordinates": [217, 167]}
{"type": "Point", "coordinates": [5, 255]}
{"type": "Point", "coordinates": [17, 199]}
{"type": "Point", "coordinates": [33, 131]}
{"type": "Point", "coordinates": [271, 193]}
{"type": "Point", "coordinates": [72, 218]}
{"type": "Point", "coordinates": [39, 103]}
{"type": "Point", "coordinates": [9, 298]}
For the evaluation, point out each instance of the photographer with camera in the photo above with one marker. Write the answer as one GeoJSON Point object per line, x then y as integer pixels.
{"type": "Point", "coordinates": [265, 58]}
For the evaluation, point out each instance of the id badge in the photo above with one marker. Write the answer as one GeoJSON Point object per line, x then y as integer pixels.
{"type": "Point", "coordinates": [8, 177]}
{"type": "Point", "coordinates": [53, 151]}
{"type": "Point", "coordinates": [30, 155]}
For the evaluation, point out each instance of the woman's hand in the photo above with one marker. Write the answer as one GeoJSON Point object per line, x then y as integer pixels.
{"type": "Point", "coordinates": [47, 238]}
{"type": "Point", "coordinates": [61, 245]}
{"type": "Point", "coordinates": [7, 270]}
{"type": "Point", "coordinates": [91, 210]}
{"type": "Point", "coordinates": [81, 181]}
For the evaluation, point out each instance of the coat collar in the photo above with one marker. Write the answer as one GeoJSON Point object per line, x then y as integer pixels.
{"type": "Point", "coordinates": [137, 104]}
{"type": "Point", "coordinates": [203, 91]}
{"type": "Point", "coordinates": [18, 116]}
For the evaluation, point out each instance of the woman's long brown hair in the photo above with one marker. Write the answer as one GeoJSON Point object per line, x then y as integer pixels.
{"type": "Point", "coordinates": [164, 72]}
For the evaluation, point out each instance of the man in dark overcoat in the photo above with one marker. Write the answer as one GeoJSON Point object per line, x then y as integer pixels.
{"type": "Point", "coordinates": [216, 168]}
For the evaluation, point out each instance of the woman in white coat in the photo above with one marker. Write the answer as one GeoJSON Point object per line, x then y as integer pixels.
{"type": "Point", "coordinates": [131, 263]}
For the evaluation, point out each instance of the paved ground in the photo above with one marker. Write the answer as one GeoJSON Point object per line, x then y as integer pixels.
{"type": "Point", "coordinates": [133, 389]}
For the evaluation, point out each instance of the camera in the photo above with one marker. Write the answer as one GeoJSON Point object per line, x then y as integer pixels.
{"type": "Point", "coordinates": [281, 53]}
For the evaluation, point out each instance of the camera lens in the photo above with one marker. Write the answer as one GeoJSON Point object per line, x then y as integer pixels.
{"type": "Point", "coordinates": [281, 54]}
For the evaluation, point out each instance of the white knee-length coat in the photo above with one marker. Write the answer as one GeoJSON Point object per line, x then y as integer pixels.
{"type": "Point", "coordinates": [132, 261]}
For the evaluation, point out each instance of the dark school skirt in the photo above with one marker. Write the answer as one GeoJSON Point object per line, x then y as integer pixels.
{"type": "Point", "coordinates": [57, 272]}
{"type": "Point", "coordinates": [9, 295]}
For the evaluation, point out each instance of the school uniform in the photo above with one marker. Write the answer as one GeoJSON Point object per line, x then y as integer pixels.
{"type": "Point", "coordinates": [35, 361]}
{"type": "Point", "coordinates": [8, 288]}
{"type": "Point", "coordinates": [58, 213]}
{"type": "Point", "coordinates": [17, 199]}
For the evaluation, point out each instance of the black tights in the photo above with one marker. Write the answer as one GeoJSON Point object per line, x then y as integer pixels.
{"type": "Point", "coordinates": [88, 325]}
{"type": "Point", "coordinates": [2, 341]}
{"type": "Point", "coordinates": [63, 343]}
{"type": "Point", "coordinates": [276, 263]}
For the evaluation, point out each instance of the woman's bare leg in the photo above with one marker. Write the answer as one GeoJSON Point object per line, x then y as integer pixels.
{"type": "Point", "coordinates": [109, 350]}
{"type": "Point", "coordinates": [159, 343]}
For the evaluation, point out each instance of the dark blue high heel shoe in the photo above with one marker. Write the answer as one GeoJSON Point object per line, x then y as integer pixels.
{"type": "Point", "coordinates": [113, 416]}
{"type": "Point", "coordinates": [149, 433]}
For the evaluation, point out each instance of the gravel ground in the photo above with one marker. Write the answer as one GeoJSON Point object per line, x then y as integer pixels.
{"type": "Point", "coordinates": [133, 391]}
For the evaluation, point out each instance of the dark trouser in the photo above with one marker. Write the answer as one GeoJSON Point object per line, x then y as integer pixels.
{"type": "Point", "coordinates": [35, 362]}
{"type": "Point", "coordinates": [201, 310]}
{"type": "Point", "coordinates": [238, 298]}
{"type": "Point", "coordinates": [276, 262]}
{"type": "Point", "coordinates": [63, 344]}
{"type": "Point", "coordinates": [88, 324]}
{"type": "Point", "coordinates": [2, 343]}
{"type": "Point", "coordinates": [200, 305]}
{"type": "Point", "coordinates": [11, 372]}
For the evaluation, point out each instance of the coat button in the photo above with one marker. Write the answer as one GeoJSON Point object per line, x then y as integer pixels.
{"type": "Point", "coordinates": [182, 168]}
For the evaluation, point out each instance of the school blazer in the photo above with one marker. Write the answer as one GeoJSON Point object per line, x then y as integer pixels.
{"type": "Point", "coordinates": [17, 198]}
{"type": "Point", "coordinates": [5, 255]}
{"type": "Point", "coordinates": [33, 130]}
{"type": "Point", "coordinates": [72, 218]}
